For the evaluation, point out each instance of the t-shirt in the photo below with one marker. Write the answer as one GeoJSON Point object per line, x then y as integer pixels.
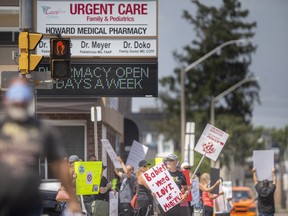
{"type": "Point", "coordinates": [179, 178]}
{"type": "Point", "coordinates": [127, 188]}
{"type": "Point", "coordinates": [266, 198]}
{"type": "Point", "coordinates": [21, 145]}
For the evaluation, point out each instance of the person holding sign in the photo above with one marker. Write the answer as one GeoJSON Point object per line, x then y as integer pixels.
{"type": "Point", "coordinates": [265, 190]}
{"type": "Point", "coordinates": [127, 188]}
{"type": "Point", "coordinates": [179, 178]}
{"type": "Point", "coordinates": [207, 197]}
{"type": "Point", "coordinates": [145, 198]}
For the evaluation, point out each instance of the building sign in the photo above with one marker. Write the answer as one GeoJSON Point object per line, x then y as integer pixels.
{"type": "Point", "coordinates": [110, 22]}
{"type": "Point", "coordinates": [105, 79]}
{"type": "Point", "coordinates": [211, 142]}
{"type": "Point", "coordinates": [163, 186]}
{"type": "Point", "coordinates": [106, 47]}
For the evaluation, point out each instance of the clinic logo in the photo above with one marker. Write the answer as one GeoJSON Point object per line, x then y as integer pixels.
{"type": "Point", "coordinates": [47, 10]}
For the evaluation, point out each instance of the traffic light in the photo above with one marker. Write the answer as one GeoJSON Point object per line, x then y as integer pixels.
{"type": "Point", "coordinates": [60, 58]}
{"type": "Point", "coordinates": [28, 41]}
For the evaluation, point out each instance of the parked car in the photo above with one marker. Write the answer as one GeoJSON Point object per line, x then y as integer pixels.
{"type": "Point", "coordinates": [243, 201]}
{"type": "Point", "coordinates": [48, 190]}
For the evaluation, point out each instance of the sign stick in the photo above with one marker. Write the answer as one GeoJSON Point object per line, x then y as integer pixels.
{"type": "Point", "coordinates": [198, 165]}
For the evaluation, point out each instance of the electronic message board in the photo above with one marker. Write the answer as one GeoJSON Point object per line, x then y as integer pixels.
{"type": "Point", "coordinates": [105, 79]}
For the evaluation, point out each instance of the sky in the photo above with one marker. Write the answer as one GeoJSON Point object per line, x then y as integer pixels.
{"type": "Point", "coordinates": [269, 63]}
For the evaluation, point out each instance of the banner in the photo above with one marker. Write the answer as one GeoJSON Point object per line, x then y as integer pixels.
{"type": "Point", "coordinates": [137, 153]}
{"type": "Point", "coordinates": [211, 142]}
{"type": "Point", "coordinates": [110, 151]}
{"type": "Point", "coordinates": [88, 176]}
{"type": "Point", "coordinates": [163, 186]}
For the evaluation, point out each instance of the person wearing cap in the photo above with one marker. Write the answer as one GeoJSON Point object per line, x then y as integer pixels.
{"type": "Point", "coordinates": [265, 190]}
{"type": "Point", "coordinates": [186, 168]}
{"type": "Point", "coordinates": [127, 189]}
{"type": "Point", "coordinates": [100, 205]}
{"type": "Point", "coordinates": [179, 178]}
{"type": "Point", "coordinates": [145, 197]}
{"type": "Point", "coordinates": [23, 139]}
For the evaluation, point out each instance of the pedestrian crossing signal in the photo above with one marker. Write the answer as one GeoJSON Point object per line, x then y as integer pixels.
{"type": "Point", "coordinates": [60, 58]}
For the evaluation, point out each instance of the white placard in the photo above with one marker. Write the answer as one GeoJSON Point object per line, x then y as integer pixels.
{"type": "Point", "coordinates": [195, 191]}
{"type": "Point", "coordinates": [113, 203]}
{"type": "Point", "coordinates": [110, 151]}
{"type": "Point", "coordinates": [227, 189]}
{"type": "Point", "coordinates": [97, 18]}
{"type": "Point", "coordinates": [163, 186]}
{"type": "Point", "coordinates": [263, 161]}
{"type": "Point", "coordinates": [137, 153]}
{"type": "Point", "coordinates": [211, 142]}
{"type": "Point", "coordinates": [105, 47]}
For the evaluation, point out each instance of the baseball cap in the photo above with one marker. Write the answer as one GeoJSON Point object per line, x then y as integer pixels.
{"type": "Point", "coordinates": [171, 157]}
{"type": "Point", "coordinates": [143, 163]}
{"type": "Point", "coordinates": [73, 158]}
{"type": "Point", "coordinates": [19, 92]}
{"type": "Point", "coordinates": [185, 165]}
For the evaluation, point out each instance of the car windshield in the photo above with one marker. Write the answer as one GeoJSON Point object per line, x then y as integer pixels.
{"type": "Point", "coordinates": [238, 195]}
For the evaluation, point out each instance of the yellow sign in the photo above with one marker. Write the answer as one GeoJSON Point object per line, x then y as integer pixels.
{"type": "Point", "coordinates": [88, 176]}
{"type": "Point", "coordinates": [158, 160]}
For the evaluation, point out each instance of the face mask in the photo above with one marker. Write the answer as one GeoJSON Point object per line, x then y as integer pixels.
{"type": "Point", "coordinates": [18, 113]}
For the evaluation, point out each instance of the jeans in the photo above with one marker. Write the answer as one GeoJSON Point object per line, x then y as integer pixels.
{"type": "Point", "coordinates": [266, 214]}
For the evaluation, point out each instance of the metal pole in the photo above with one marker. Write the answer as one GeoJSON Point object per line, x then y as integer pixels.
{"type": "Point", "coordinates": [212, 111]}
{"type": "Point", "coordinates": [182, 113]}
{"type": "Point", "coordinates": [95, 132]}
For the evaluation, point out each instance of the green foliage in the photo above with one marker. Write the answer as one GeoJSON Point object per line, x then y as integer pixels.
{"type": "Point", "coordinates": [214, 26]}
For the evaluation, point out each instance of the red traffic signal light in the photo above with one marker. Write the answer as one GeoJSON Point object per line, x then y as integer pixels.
{"type": "Point", "coordinates": [60, 58]}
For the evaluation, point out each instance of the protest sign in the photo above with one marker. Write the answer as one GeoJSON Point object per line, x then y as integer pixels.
{"type": "Point", "coordinates": [110, 151]}
{"type": "Point", "coordinates": [113, 203]}
{"type": "Point", "coordinates": [263, 161]}
{"type": "Point", "coordinates": [215, 176]}
{"type": "Point", "coordinates": [163, 186]}
{"type": "Point", "coordinates": [195, 191]}
{"type": "Point", "coordinates": [223, 203]}
{"type": "Point", "coordinates": [158, 160]}
{"type": "Point", "coordinates": [211, 142]}
{"type": "Point", "coordinates": [88, 177]}
{"type": "Point", "coordinates": [137, 153]}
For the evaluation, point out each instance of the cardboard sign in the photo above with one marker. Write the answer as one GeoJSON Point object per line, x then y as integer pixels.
{"type": "Point", "coordinates": [195, 191]}
{"type": "Point", "coordinates": [263, 161]}
{"type": "Point", "coordinates": [88, 176]}
{"type": "Point", "coordinates": [211, 142]}
{"type": "Point", "coordinates": [163, 186]}
{"type": "Point", "coordinates": [137, 153]}
{"type": "Point", "coordinates": [110, 151]}
{"type": "Point", "coordinates": [215, 176]}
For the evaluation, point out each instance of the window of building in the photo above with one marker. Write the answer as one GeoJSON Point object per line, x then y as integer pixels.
{"type": "Point", "coordinates": [9, 37]}
{"type": "Point", "coordinates": [75, 142]}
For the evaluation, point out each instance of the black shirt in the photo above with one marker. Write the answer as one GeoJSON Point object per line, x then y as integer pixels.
{"type": "Point", "coordinates": [266, 198]}
{"type": "Point", "coordinates": [104, 196]}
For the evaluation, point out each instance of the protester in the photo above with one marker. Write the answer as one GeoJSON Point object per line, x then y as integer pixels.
{"type": "Point", "coordinates": [145, 198]}
{"type": "Point", "coordinates": [100, 206]}
{"type": "Point", "coordinates": [265, 190]}
{"type": "Point", "coordinates": [127, 189]}
{"type": "Point", "coordinates": [207, 197]}
{"type": "Point", "coordinates": [186, 168]}
{"type": "Point", "coordinates": [180, 180]}
{"type": "Point", "coordinates": [23, 139]}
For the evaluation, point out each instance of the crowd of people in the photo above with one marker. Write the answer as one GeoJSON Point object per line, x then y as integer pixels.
{"type": "Point", "coordinates": [23, 139]}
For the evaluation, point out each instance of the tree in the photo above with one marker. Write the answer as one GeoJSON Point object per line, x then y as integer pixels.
{"type": "Point", "coordinates": [214, 26]}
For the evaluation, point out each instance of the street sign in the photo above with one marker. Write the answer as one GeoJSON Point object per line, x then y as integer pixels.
{"type": "Point", "coordinates": [101, 28]}
{"type": "Point", "coordinates": [105, 79]}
